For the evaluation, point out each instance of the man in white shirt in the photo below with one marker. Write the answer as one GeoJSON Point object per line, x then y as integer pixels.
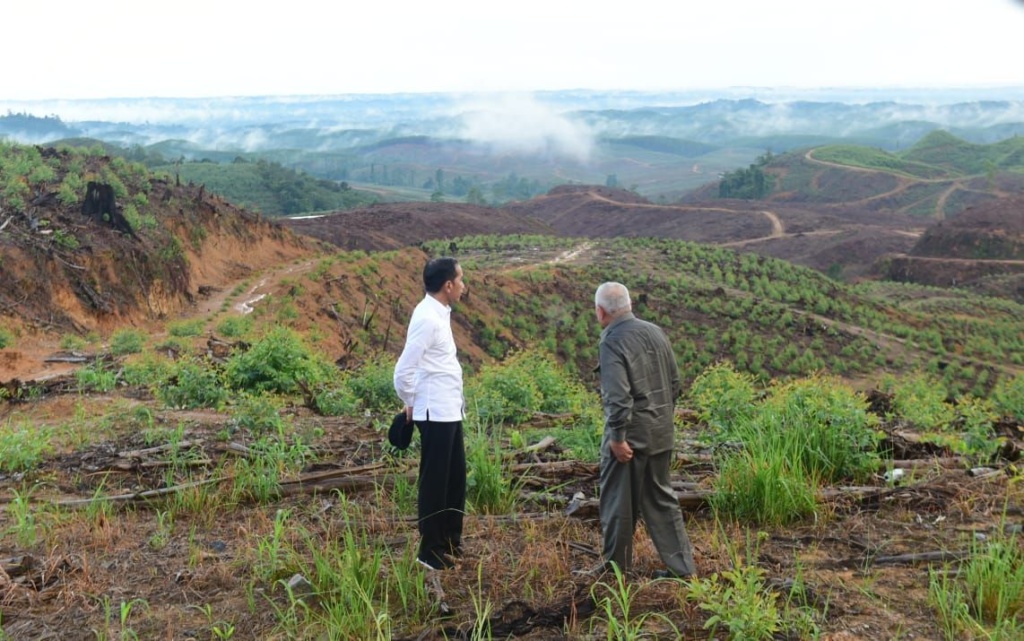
{"type": "Point", "coordinates": [428, 380]}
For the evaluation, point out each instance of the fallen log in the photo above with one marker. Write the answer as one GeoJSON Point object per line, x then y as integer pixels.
{"type": "Point", "coordinates": [141, 496]}
{"type": "Point", "coordinates": [941, 556]}
{"type": "Point", "coordinates": [68, 359]}
{"type": "Point", "coordinates": [157, 449]}
{"type": "Point", "coordinates": [541, 445]}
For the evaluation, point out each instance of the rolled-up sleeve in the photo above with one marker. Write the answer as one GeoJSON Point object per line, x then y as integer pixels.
{"type": "Point", "coordinates": [615, 391]}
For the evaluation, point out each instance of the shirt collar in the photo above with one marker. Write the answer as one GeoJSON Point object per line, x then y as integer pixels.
{"type": "Point", "coordinates": [437, 305]}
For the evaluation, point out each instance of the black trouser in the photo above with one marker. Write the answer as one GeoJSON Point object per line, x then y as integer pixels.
{"type": "Point", "coordinates": [442, 489]}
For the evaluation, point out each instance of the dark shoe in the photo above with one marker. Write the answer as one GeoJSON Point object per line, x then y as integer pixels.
{"type": "Point", "coordinates": [669, 574]}
{"type": "Point", "coordinates": [435, 562]}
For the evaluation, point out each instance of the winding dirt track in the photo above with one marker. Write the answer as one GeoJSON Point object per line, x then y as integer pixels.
{"type": "Point", "coordinates": [904, 183]}
{"type": "Point", "coordinates": [778, 229]}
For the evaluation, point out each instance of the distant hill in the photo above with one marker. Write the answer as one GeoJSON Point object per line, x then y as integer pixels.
{"type": "Point", "coordinates": [269, 187]}
{"type": "Point", "coordinates": [936, 179]}
{"type": "Point", "coordinates": [982, 249]}
{"type": "Point", "coordinates": [394, 225]}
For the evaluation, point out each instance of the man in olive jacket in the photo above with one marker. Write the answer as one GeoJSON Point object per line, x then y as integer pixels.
{"type": "Point", "coordinates": [639, 386]}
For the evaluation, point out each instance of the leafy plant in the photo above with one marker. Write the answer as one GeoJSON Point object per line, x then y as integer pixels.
{"type": "Point", "coordinates": [278, 362]}
{"type": "Point", "coordinates": [920, 399]}
{"type": "Point", "coordinates": [96, 378]}
{"type": "Point", "coordinates": [235, 326]}
{"type": "Point", "coordinates": [1008, 397]}
{"type": "Point", "coordinates": [127, 341]}
{"type": "Point", "coordinates": [723, 396]}
{"type": "Point", "coordinates": [186, 328]}
{"type": "Point", "coordinates": [739, 602]}
{"type": "Point", "coordinates": [372, 385]}
{"type": "Point", "coordinates": [6, 337]}
{"type": "Point", "coordinates": [22, 446]}
{"type": "Point", "coordinates": [194, 384]}
{"type": "Point", "coordinates": [258, 413]}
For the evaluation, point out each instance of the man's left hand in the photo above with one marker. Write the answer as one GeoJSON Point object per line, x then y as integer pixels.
{"type": "Point", "coordinates": [621, 450]}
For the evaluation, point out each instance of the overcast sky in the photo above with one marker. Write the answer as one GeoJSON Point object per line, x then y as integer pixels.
{"type": "Point", "coordinates": [201, 48]}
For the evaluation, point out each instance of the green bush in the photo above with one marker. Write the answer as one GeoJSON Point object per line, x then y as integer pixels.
{"type": "Point", "coordinates": [1008, 397]}
{"type": "Point", "coordinates": [278, 362]}
{"type": "Point", "coordinates": [6, 337]}
{"type": "Point", "coordinates": [723, 397]}
{"type": "Point", "coordinates": [22, 446]}
{"type": "Point", "coordinates": [826, 422]}
{"type": "Point", "coordinates": [95, 378]}
{"type": "Point", "coordinates": [127, 341]}
{"type": "Point", "coordinates": [235, 326]}
{"type": "Point", "coordinates": [259, 414]}
{"type": "Point", "coordinates": [186, 328]}
{"type": "Point", "coordinates": [150, 370]}
{"type": "Point", "coordinates": [527, 382]}
{"type": "Point", "coordinates": [194, 384]}
{"type": "Point", "coordinates": [337, 401]}
{"type": "Point", "coordinates": [373, 386]}
{"type": "Point", "coordinates": [805, 433]}
{"type": "Point", "coordinates": [920, 399]}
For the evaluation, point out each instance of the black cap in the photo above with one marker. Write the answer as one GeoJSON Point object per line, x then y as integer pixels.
{"type": "Point", "coordinates": [400, 432]}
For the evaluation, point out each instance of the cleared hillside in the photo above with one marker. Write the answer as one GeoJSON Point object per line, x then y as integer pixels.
{"type": "Point", "coordinates": [90, 242]}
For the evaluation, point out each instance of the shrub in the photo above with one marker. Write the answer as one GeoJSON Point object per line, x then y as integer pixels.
{"type": "Point", "coordinates": [527, 382]}
{"type": "Point", "coordinates": [741, 604]}
{"type": "Point", "coordinates": [22, 447]}
{"type": "Point", "coordinates": [96, 378]}
{"type": "Point", "coordinates": [72, 342]}
{"type": "Point", "coordinates": [150, 370]}
{"type": "Point", "coordinates": [278, 362]}
{"type": "Point", "coordinates": [723, 397]}
{"type": "Point", "coordinates": [186, 328]}
{"type": "Point", "coordinates": [337, 401]}
{"type": "Point", "coordinates": [921, 400]}
{"type": "Point", "coordinates": [194, 384]}
{"type": "Point", "coordinates": [373, 386]}
{"type": "Point", "coordinates": [259, 414]}
{"type": "Point", "coordinates": [127, 341]}
{"type": "Point", "coordinates": [235, 326]}
{"type": "Point", "coordinates": [826, 422]}
{"type": "Point", "coordinates": [6, 337]}
{"type": "Point", "coordinates": [1008, 397]}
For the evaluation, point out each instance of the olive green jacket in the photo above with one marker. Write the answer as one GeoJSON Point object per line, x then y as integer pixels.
{"type": "Point", "coordinates": [639, 384]}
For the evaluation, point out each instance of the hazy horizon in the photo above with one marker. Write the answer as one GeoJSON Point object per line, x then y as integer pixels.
{"type": "Point", "coordinates": [194, 49]}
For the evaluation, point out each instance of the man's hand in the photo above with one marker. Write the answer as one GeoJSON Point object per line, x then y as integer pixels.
{"type": "Point", "coordinates": [621, 450]}
{"type": "Point", "coordinates": [408, 415]}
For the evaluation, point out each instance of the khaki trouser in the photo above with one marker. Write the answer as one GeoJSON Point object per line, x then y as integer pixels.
{"type": "Point", "coordinates": [642, 488]}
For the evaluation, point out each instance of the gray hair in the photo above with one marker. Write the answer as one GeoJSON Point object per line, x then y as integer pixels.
{"type": "Point", "coordinates": [613, 298]}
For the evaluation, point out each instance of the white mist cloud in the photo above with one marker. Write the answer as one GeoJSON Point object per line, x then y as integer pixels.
{"type": "Point", "coordinates": [516, 123]}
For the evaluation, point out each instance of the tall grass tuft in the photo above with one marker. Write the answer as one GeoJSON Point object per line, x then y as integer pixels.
{"type": "Point", "coordinates": [802, 435]}
{"type": "Point", "coordinates": [984, 598]}
{"type": "Point", "coordinates": [489, 490]}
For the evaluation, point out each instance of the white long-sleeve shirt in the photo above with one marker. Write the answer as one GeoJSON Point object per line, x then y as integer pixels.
{"type": "Point", "coordinates": [428, 376]}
